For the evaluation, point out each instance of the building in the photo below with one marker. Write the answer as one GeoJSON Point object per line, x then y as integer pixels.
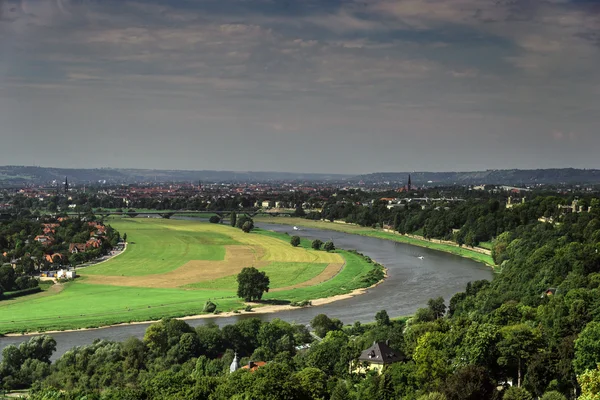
{"type": "Point", "coordinates": [235, 364]}
{"type": "Point", "coordinates": [44, 239]}
{"type": "Point", "coordinates": [77, 247]}
{"type": "Point", "coordinates": [254, 365]}
{"type": "Point", "coordinates": [54, 258]}
{"type": "Point", "coordinates": [376, 358]}
{"type": "Point", "coordinates": [66, 274]}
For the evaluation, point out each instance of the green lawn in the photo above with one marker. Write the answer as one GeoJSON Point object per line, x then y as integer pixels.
{"type": "Point", "coordinates": [347, 280]}
{"type": "Point", "coordinates": [80, 304]}
{"type": "Point", "coordinates": [486, 245]}
{"type": "Point", "coordinates": [281, 274]}
{"type": "Point", "coordinates": [156, 247]}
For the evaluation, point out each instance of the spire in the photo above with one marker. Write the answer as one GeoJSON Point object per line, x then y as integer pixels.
{"type": "Point", "coordinates": [409, 183]}
{"type": "Point", "coordinates": [66, 185]}
{"type": "Point", "coordinates": [235, 364]}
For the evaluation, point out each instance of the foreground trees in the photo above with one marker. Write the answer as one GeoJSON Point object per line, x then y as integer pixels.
{"type": "Point", "coordinates": [252, 283]}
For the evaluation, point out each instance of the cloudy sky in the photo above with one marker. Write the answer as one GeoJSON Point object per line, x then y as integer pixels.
{"type": "Point", "coordinates": [300, 85]}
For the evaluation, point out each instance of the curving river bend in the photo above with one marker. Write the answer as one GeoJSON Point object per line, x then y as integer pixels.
{"type": "Point", "coordinates": [411, 282]}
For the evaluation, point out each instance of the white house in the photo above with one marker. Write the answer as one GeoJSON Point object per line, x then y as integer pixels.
{"type": "Point", "coordinates": [66, 274]}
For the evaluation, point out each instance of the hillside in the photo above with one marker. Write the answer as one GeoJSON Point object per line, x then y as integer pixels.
{"type": "Point", "coordinates": [20, 175]}
{"type": "Point", "coordinates": [490, 177]}
{"type": "Point", "coordinates": [23, 175]}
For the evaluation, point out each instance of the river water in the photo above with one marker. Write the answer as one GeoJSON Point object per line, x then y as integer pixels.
{"type": "Point", "coordinates": [411, 282]}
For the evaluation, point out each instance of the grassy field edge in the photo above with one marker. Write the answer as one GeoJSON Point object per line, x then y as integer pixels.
{"type": "Point", "coordinates": [358, 273]}
{"type": "Point", "coordinates": [380, 234]}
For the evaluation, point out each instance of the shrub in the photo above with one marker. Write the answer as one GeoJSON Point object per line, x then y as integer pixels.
{"type": "Point", "coordinates": [209, 307]}
{"type": "Point", "coordinates": [517, 393]}
{"type": "Point", "coordinates": [215, 219]}
{"type": "Point", "coordinates": [553, 395]}
{"type": "Point", "coordinates": [329, 246]}
{"type": "Point", "coordinates": [295, 241]}
{"type": "Point", "coordinates": [247, 227]}
{"type": "Point", "coordinates": [433, 396]}
{"type": "Point", "coordinates": [316, 244]}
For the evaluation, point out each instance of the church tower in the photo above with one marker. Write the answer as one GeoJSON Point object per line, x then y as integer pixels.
{"type": "Point", "coordinates": [408, 186]}
{"type": "Point", "coordinates": [66, 185]}
{"type": "Point", "coordinates": [235, 364]}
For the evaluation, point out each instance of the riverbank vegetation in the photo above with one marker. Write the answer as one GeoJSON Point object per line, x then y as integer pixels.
{"type": "Point", "coordinates": [173, 267]}
{"type": "Point", "coordinates": [532, 332]}
{"type": "Point", "coordinates": [381, 234]}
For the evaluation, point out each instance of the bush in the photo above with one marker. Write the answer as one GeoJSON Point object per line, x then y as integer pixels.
{"type": "Point", "coordinates": [247, 227]}
{"type": "Point", "coordinates": [209, 307]}
{"type": "Point", "coordinates": [553, 395]}
{"type": "Point", "coordinates": [248, 308]}
{"type": "Point", "coordinates": [433, 396]}
{"type": "Point", "coordinates": [517, 393]}
{"type": "Point", "coordinates": [242, 220]}
{"type": "Point", "coordinates": [295, 241]}
{"type": "Point", "coordinates": [215, 219]}
{"type": "Point", "coordinates": [316, 244]}
{"type": "Point", "coordinates": [329, 246]}
{"type": "Point", "coordinates": [19, 293]}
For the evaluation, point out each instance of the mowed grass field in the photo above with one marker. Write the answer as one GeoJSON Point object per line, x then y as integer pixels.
{"type": "Point", "coordinates": [380, 234]}
{"type": "Point", "coordinates": [172, 267]}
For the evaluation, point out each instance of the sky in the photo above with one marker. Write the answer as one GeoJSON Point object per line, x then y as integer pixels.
{"type": "Point", "coordinates": [338, 86]}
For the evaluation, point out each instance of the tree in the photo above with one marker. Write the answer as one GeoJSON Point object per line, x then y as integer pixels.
{"type": "Point", "coordinates": [518, 344]}
{"type": "Point", "coordinates": [382, 318]}
{"type": "Point", "coordinates": [437, 307]}
{"type": "Point", "coordinates": [247, 227]}
{"type": "Point", "coordinates": [125, 237]}
{"type": "Point", "coordinates": [295, 241]}
{"type": "Point", "coordinates": [553, 395]}
{"type": "Point", "coordinates": [517, 393]}
{"type": "Point", "coordinates": [252, 283]}
{"type": "Point", "coordinates": [329, 246]}
{"type": "Point", "coordinates": [340, 391]}
{"type": "Point", "coordinates": [316, 244]}
{"type": "Point", "coordinates": [233, 219]}
{"type": "Point", "coordinates": [432, 396]}
{"type": "Point", "coordinates": [587, 348]}
{"type": "Point", "coordinates": [323, 324]}
{"type": "Point", "coordinates": [313, 382]}
{"type": "Point", "coordinates": [590, 384]}
{"type": "Point", "coordinates": [242, 220]}
{"type": "Point", "coordinates": [7, 278]}
{"type": "Point", "coordinates": [469, 383]}
{"type": "Point", "coordinates": [431, 359]}
{"type": "Point", "coordinates": [214, 219]}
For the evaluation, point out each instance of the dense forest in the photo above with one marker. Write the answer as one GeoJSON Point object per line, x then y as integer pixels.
{"type": "Point", "coordinates": [533, 331]}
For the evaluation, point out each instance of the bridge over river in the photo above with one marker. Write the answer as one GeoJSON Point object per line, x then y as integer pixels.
{"type": "Point", "coordinates": [169, 213]}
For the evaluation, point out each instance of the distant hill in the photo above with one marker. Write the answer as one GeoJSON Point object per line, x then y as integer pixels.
{"type": "Point", "coordinates": [23, 175]}
{"type": "Point", "coordinates": [490, 177]}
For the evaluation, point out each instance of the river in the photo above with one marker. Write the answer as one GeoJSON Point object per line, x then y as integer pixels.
{"type": "Point", "coordinates": [411, 282]}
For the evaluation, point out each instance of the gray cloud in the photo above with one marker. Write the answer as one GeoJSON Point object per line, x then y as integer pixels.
{"type": "Point", "coordinates": [417, 84]}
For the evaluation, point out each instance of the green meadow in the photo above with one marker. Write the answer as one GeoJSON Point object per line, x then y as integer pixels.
{"type": "Point", "coordinates": [162, 246]}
